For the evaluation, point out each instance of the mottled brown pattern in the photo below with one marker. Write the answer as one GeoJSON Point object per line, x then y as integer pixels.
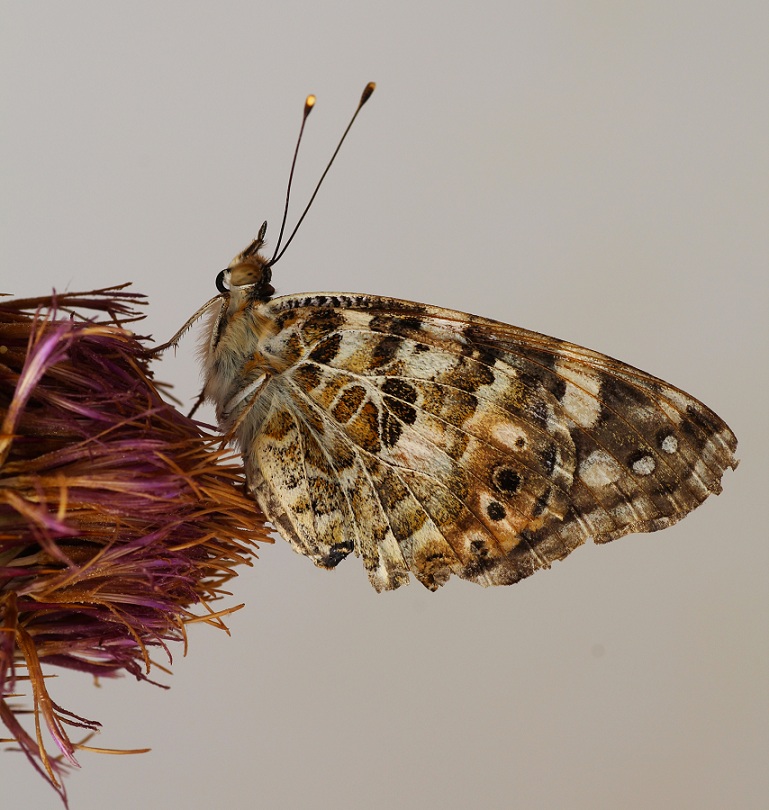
{"type": "Point", "coordinates": [279, 426]}
{"type": "Point", "coordinates": [293, 351]}
{"type": "Point", "coordinates": [308, 376]}
{"type": "Point", "coordinates": [454, 407]}
{"type": "Point", "coordinates": [331, 386]}
{"type": "Point", "coordinates": [432, 442]}
{"type": "Point", "coordinates": [348, 403]}
{"type": "Point", "coordinates": [364, 428]}
{"type": "Point", "coordinates": [455, 444]}
{"type": "Point", "coordinates": [319, 323]}
{"type": "Point", "coordinates": [469, 376]}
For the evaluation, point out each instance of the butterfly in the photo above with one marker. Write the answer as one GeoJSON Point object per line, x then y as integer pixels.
{"type": "Point", "coordinates": [430, 442]}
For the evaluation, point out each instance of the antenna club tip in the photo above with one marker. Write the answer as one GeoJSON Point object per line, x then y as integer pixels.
{"type": "Point", "coordinates": [309, 103]}
{"type": "Point", "coordinates": [368, 90]}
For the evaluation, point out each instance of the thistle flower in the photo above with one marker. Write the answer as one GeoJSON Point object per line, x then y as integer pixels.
{"type": "Point", "coordinates": [118, 515]}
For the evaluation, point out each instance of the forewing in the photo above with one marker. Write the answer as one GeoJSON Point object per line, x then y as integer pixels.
{"type": "Point", "coordinates": [433, 442]}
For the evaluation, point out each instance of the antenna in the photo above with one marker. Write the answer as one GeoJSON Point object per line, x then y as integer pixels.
{"type": "Point", "coordinates": [365, 96]}
{"type": "Point", "coordinates": [308, 105]}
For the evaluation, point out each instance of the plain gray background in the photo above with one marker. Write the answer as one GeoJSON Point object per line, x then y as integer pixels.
{"type": "Point", "coordinates": [592, 170]}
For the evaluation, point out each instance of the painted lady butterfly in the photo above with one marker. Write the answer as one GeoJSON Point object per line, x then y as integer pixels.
{"type": "Point", "coordinates": [432, 442]}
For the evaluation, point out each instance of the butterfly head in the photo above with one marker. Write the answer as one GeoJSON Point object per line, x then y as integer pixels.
{"type": "Point", "coordinates": [249, 269]}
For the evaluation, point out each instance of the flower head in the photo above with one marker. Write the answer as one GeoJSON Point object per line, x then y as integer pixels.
{"type": "Point", "coordinates": [119, 516]}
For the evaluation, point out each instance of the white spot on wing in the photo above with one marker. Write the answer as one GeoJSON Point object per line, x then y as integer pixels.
{"type": "Point", "coordinates": [599, 469]}
{"type": "Point", "coordinates": [644, 465]}
{"type": "Point", "coordinates": [669, 444]}
{"type": "Point", "coordinates": [580, 401]}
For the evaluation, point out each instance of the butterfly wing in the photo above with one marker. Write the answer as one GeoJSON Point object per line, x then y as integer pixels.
{"type": "Point", "coordinates": [432, 442]}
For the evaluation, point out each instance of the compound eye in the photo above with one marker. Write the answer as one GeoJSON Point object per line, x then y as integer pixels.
{"type": "Point", "coordinates": [220, 283]}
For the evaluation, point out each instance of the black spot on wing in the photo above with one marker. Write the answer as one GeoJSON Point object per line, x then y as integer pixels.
{"type": "Point", "coordinates": [399, 389]}
{"type": "Point", "coordinates": [336, 554]}
{"type": "Point", "coordinates": [385, 351]}
{"type": "Point", "coordinates": [391, 429]}
{"type": "Point", "coordinates": [496, 511]}
{"type": "Point", "coordinates": [407, 326]}
{"type": "Point", "coordinates": [405, 412]}
{"type": "Point", "coordinates": [619, 395]}
{"type": "Point", "coordinates": [506, 480]}
{"type": "Point", "coordinates": [556, 386]}
{"type": "Point", "coordinates": [327, 349]}
{"type": "Point", "coordinates": [535, 376]}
